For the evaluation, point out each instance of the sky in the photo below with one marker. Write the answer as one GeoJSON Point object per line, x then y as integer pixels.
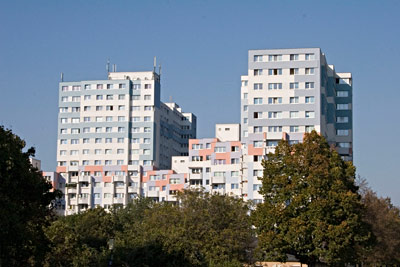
{"type": "Point", "coordinates": [202, 47]}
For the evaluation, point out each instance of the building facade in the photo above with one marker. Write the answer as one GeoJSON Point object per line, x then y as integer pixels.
{"type": "Point", "coordinates": [110, 132]}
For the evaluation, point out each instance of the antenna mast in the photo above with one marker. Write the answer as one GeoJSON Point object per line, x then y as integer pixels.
{"type": "Point", "coordinates": [154, 64]}
{"type": "Point", "coordinates": [108, 66]}
{"type": "Point", "coordinates": [62, 76]}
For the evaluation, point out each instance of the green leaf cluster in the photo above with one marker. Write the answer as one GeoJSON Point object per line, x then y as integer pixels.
{"type": "Point", "coordinates": [312, 208]}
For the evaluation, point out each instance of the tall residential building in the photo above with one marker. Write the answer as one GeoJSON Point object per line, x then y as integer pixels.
{"type": "Point", "coordinates": [111, 131]}
{"type": "Point", "coordinates": [286, 93]}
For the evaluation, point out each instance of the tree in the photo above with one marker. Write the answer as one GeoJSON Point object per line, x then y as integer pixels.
{"type": "Point", "coordinates": [384, 218]}
{"type": "Point", "coordinates": [312, 208]}
{"type": "Point", "coordinates": [25, 200]}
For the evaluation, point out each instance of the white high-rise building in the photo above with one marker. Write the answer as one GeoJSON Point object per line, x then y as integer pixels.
{"type": "Point", "coordinates": [111, 131]}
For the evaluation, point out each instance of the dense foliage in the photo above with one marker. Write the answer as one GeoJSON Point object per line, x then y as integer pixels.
{"type": "Point", "coordinates": [202, 230]}
{"type": "Point", "coordinates": [312, 208]}
{"type": "Point", "coordinates": [24, 204]}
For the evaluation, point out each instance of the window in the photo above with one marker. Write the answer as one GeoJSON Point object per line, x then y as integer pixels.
{"type": "Point", "coordinates": [294, 85]}
{"type": "Point", "coordinates": [342, 106]}
{"type": "Point", "coordinates": [63, 141]}
{"type": "Point", "coordinates": [146, 140]}
{"type": "Point", "coordinates": [309, 71]}
{"type": "Point", "coordinates": [107, 195]}
{"type": "Point", "coordinates": [135, 108]}
{"type": "Point", "coordinates": [86, 108]}
{"type": "Point", "coordinates": [258, 143]}
{"type": "Point", "coordinates": [309, 99]}
{"type": "Point", "coordinates": [274, 100]}
{"type": "Point", "coordinates": [258, 72]}
{"type": "Point", "coordinates": [64, 88]}
{"type": "Point", "coordinates": [310, 57]}
{"type": "Point", "coordinates": [344, 145]}
{"type": "Point", "coordinates": [64, 99]}
{"type": "Point", "coordinates": [98, 130]}
{"type": "Point", "coordinates": [294, 57]}
{"type": "Point", "coordinates": [85, 151]}
{"type": "Point", "coordinates": [85, 140]}
{"type": "Point", "coordinates": [197, 146]}
{"type": "Point", "coordinates": [121, 97]}
{"type": "Point", "coordinates": [146, 151]}
{"type": "Point", "coordinates": [136, 86]}
{"type": "Point", "coordinates": [275, 58]}
{"type": "Point", "coordinates": [148, 108]}
{"type": "Point", "coordinates": [99, 86]}
{"type": "Point", "coordinates": [294, 100]}
{"type": "Point", "coordinates": [234, 174]}
{"type": "Point", "coordinates": [63, 131]}
{"type": "Point", "coordinates": [75, 130]}
{"type": "Point", "coordinates": [87, 86]}
{"type": "Point", "coordinates": [121, 118]}
{"type": "Point", "coordinates": [234, 186]}
{"type": "Point", "coordinates": [63, 110]}
{"type": "Point", "coordinates": [274, 114]}
{"type": "Point", "coordinates": [342, 93]}
{"type": "Point", "coordinates": [147, 97]}
{"type": "Point", "coordinates": [197, 158]}
{"type": "Point", "coordinates": [107, 151]}
{"type": "Point", "coordinates": [274, 129]}
{"type": "Point", "coordinates": [258, 58]}
{"type": "Point", "coordinates": [294, 114]}
{"type": "Point", "coordinates": [97, 140]}
{"type": "Point", "coordinates": [258, 86]}
{"type": "Point", "coordinates": [99, 108]}
{"type": "Point", "coordinates": [109, 97]}
{"type": "Point", "coordinates": [147, 129]}
{"type": "Point", "coordinates": [310, 114]}
{"type": "Point", "coordinates": [245, 108]}
{"type": "Point", "coordinates": [75, 109]}
{"type": "Point", "coordinates": [234, 148]}
{"type": "Point", "coordinates": [85, 162]}
{"type": "Point", "coordinates": [98, 151]}
{"type": "Point", "coordinates": [135, 97]}
{"type": "Point", "coordinates": [107, 162]}
{"type": "Point", "coordinates": [309, 85]}
{"type": "Point", "coordinates": [274, 71]}
{"type": "Point", "coordinates": [342, 119]}
{"type": "Point", "coordinates": [256, 187]}
{"type": "Point", "coordinates": [135, 129]}
{"type": "Point", "coordinates": [86, 97]}
{"type": "Point", "coordinates": [121, 129]}
{"type": "Point", "coordinates": [109, 86]}
{"type": "Point", "coordinates": [245, 133]}
{"type": "Point", "coordinates": [63, 152]}
{"type": "Point", "coordinates": [274, 86]}
{"type": "Point", "coordinates": [245, 120]}
{"type": "Point", "coordinates": [245, 83]}
{"type": "Point", "coordinates": [64, 120]}
{"type": "Point", "coordinates": [121, 86]}
{"type": "Point", "coordinates": [309, 128]}
{"type": "Point", "coordinates": [219, 162]}
{"type": "Point", "coordinates": [294, 129]}
{"type": "Point", "coordinates": [235, 161]}
{"type": "Point", "coordinates": [136, 118]}
{"type": "Point", "coordinates": [257, 129]}
{"type": "Point", "coordinates": [121, 107]}
{"type": "Point", "coordinates": [257, 101]}
{"type": "Point", "coordinates": [294, 71]}
{"type": "Point", "coordinates": [272, 143]}
{"type": "Point", "coordinates": [147, 118]}
{"type": "Point", "coordinates": [257, 115]}
{"type": "Point", "coordinates": [147, 86]}
{"type": "Point", "coordinates": [219, 149]}
{"type": "Point", "coordinates": [86, 119]}
{"type": "Point", "coordinates": [97, 162]}
{"type": "Point", "coordinates": [99, 97]}
{"type": "Point", "coordinates": [245, 95]}
{"type": "Point", "coordinates": [342, 132]}
{"type": "Point", "coordinates": [258, 173]}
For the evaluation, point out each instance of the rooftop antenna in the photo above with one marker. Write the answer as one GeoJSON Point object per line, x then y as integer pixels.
{"type": "Point", "coordinates": [62, 76]}
{"type": "Point", "coordinates": [108, 65]}
{"type": "Point", "coordinates": [159, 71]}
{"type": "Point", "coordinates": [115, 68]}
{"type": "Point", "coordinates": [155, 64]}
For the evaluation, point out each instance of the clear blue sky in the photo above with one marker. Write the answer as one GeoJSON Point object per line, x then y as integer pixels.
{"type": "Point", "coordinates": [202, 46]}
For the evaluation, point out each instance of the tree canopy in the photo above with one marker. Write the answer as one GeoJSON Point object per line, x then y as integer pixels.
{"type": "Point", "coordinates": [312, 208]}
{"type": "Point", "coordinates": [24, 203]}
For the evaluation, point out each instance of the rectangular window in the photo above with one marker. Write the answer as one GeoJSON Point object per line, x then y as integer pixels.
{"type": "Point", "coordinates": [274, 72]}
{"type": "Point", "coordinates": [234, 186]}
{"type": "Point", "coordinates": [121, 97]}
{"type": "Point", "coordinates": [342, 106]}
{"type": "Point", "coordinates": [342, 119]}
{"type": "Point", "coordinates": [147, 86]}
{"type": "Point", "coordinates": [342, 93]}
{"type": "Point", "coordinates": [147, 129]}
{"type": "Point", "coordinates": [309, 99]}
{"type": "Point", "coordinates": [274, 86]}
{"type": "Point", "coordinates": [310, 114]}
{"type": "Point", "coordinates": [258, 143]}
{"type": "Point", "coordinates": [294, 85]}
{"type": "Point", "coordinates": [109, 118]}
{"type": "Point", "coordinates": [273, 58]}
{"type": "Point", "coordinates": [294, 100]}
{"type": "Point", "coordinates": [294, 57]}
{"type": "Point", "coordinates": [121, 118]}
{"type": "Point", "coordinates": [309, 85]}
{"type": "Point", "coordinates": [99, 97]}
{"type": "Point", "coordinates": [275, 129]}
{"type": "Point", "coordinates": [257, 101]}
{"type": "Point", "coordinates": [294, 129]}
{"type": "Point", "coordinates": [294, 114]}
{"type": "Point", "coordinates": [274, 100]}
{"type": "Point", "coordinates": [258, 72]}
{"type": "Point", "coordinates": [235, 161]}
{"type": "Point", "coordinates": [310, 57]}
{"type": "Point", "coordinates": [147, 97]}
{"type": "Point", "coordinates": [258, 58]}
{"type": "Point", "coordinates": [257, 129]}
{"type": "Point", "coordinates": [86, 97]}
{"type": "Point", "coordinates": [258, 86]}
{"type": "Point", "coordinates": [99, 86]}
{"type": "Point", "coordinates": [257, 115]}
{"type": "Point", "coordinates": [122, 107]}
{"type": "Point", "coordinates": [245, 108]}
{"type": "Point", "coordinates": [136, 86]}
{"type": "Point", "coordinates": [294, 71]}
{"type": "Point", "coordinates": [274, 114]}
{"type": "Point", "coordinates": [99, 108]}
{"type": "Point", "coordinates": [342, 132]}
{"type": "Point", "coordinates": [109, 86]}
{"type": "Point", "coordinates": [109, 97]}
{"type": "Point", "coordinates": [219, 149]}
{"type": "Point", "coordinates": [309, 71]}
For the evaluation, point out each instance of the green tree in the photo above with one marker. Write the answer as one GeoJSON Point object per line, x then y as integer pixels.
{"type": "Point", "coordinates": [24, 203]}
{"type": "Point", "coordinates": [80, 239]}
{"type": "Point", "coordinates": [312, 208]}
{"type": "Point", "coordinates": [384, 218]}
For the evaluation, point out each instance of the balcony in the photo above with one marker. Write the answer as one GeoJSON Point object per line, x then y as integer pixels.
{"type": "Point", "coordinates": [197, 176]}
{"type": "Point", "coordinates": [84, 201]}
{"type": "Point", "coordinates": [119, 178]}
{"type": "Point", "coordinates": [73, 179]}
{"type": "Point", "coordinates": [119, 200]}
{"type": "Point", "coordinates": [153, 193]}
{"type": "Point", "coordinates": [219, 191]}
{"type": "Point", "coordinates": [218, 180]}
{"type": "Point", "coordinates": [71, 190]}
{"type": "Point", "coordinates": [85, 178]}
{"type": "Point", "coordinates": [132, 189]}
